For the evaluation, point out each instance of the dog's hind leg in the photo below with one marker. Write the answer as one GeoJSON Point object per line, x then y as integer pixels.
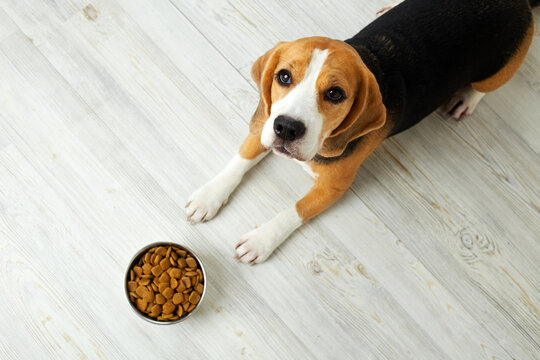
{"type": "Point", "coordinates": [502, 76]}
{"type": "Point", "coordinates": [465, 100]}
{"type": "Point", "coordinates": [206, 201]}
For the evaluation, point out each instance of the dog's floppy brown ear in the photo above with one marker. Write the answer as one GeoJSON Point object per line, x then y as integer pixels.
{"type": "Point", "coordinates": [367, 113]}
{"type": "Point", "coordinates": [262, 73]}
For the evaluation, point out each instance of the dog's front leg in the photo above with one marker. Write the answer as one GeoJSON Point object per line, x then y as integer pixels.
{"type": "Point", "coordinates": [209, 198]}
{"type": "Point", "coordinates": [332, 180]}
{"type": "Point", "coordinates": [258, 244]}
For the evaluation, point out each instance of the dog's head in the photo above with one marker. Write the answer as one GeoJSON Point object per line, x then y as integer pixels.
{"type": "Point", "coordinates": [316, 96]}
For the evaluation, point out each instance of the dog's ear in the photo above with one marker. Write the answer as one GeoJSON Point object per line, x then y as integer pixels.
{"type": "Point", "coordinates": [366, 114]}
{"type": "Point", "coordinates": [262, 73]}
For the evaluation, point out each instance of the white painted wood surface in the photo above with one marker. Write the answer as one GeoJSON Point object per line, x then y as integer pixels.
{"type": "Point", "coordinates": [112, 113]}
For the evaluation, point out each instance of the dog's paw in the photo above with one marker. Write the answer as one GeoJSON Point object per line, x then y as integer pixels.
{"type": "Point", "coordinates": [258, 244]}
{"type": "Point", "coordinates": [206, 201]}
{"type": "Point", "coordinates": [385, 9]}
{"type": "Point", "coordinates": [463, 103]}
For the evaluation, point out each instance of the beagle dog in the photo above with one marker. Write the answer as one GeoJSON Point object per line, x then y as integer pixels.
{"type": "Point", "coordinates": [329, 103]}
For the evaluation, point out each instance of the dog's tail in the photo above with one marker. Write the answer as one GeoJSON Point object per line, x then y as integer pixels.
{"type": "Point", "coordinates": [534, 3]}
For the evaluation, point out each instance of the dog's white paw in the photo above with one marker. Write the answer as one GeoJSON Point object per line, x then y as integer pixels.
{"type": "Point", "coordinates": [206, 201]}
{"type": "Point", "coordinates": [258, 244]}
{"type": "Point", "coordinates": [463, 103]}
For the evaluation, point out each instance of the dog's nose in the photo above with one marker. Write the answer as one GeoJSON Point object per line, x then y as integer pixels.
{"type": "Point", "coordinates": [288, 129]}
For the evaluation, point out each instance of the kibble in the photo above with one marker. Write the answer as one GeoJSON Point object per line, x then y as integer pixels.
{"type": "Point", "coordinates": [191, 262]}
{"type": "Point", "coordinates": [155, 310]}
{"type": "Point", "coordinates": [186, 281]}
{"type": "Point", "coordinates": [162, 286]}
{"type": "Point", "coordinates": [168, 307]}
{"type": "Point", "coordinates": [149, 296]}
{"type": "Point", "coordinates": [140, 290]}
{"type": "Point", "coordinates": [199, 288]}
{"type": "Point", "coordinates": [157, 270]}
{"type": "Point", "coordinates": [164, 278]}
{"type": "Point", "coordinates": [166, 283]}
{"type": "Point", "coordinates": [165, 264]}
{"type": "Point", "coordinates": [138, 270]}
{"type": "Point", "coordinates": [194, 297]}
{"type": "Point", "coordinates": [178, 298]}
{"type": "Point", "coordinates": [141, 304]}
{"type": "Point", "coordinates": [147, 268]}
{"type": "Point", "coordinates": [132, 286]}
{"type": "Point", "coordinates": [168, 293]}
{"type": "Point", "coordinates": [160, 299]}
{"type": "Point", "coordinates": [176, 273]}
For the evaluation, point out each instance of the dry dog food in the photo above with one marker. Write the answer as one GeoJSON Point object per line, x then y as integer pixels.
{"type": "Point", "coordinates": [166, 283]}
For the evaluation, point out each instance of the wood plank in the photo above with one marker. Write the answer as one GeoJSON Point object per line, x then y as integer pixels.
{"type": "Point", "coordinates": [43, 289]}
{"type": "Point", "coordinates": [447, 201]}
{"type": "Point", "coordinates": [7, 26]}
{"type": "Point", "coordinates": [243, 30]}
{"type": "Point", "coordinates": [111, 115]}
{"type": "Point", "coordinates": [517, 102]}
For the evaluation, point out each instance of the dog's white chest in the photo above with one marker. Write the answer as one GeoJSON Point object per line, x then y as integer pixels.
{"type": "Point", "coordinates": [306, 168]}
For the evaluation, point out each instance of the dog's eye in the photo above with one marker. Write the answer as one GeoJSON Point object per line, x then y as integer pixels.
{"type": "Point", "coordinates": [284, 77]}
{"type": "Point", "coordinates": [335, 95]}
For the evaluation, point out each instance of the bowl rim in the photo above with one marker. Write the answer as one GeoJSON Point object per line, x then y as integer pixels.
{"type": "Point", "coordinates": [142, 251]}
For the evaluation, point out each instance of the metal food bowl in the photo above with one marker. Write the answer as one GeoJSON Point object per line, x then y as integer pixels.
{"type": "Point", "coordinates": [136, 258]}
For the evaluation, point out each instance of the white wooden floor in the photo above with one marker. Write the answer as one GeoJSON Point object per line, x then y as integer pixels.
{"type": "Point", "coordinates": [113, 112]}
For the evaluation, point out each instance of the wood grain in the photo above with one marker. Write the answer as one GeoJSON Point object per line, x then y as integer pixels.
{"type": "Point", "coordinates": [113, 112]}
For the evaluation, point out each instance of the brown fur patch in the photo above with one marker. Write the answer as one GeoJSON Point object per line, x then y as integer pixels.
{"type": "Point", "coordinates": [258, 119]}
{"type": "Point", "coordinates": [251, 148]}
{"type": "Point", "coordinates": [365, 112]}
{"type": "Point", "coordinates": [335, 178]}
{"type": "Point", "coordinates": [502, 76]}
{"type": "Point", "coordinates": [262, 73]}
